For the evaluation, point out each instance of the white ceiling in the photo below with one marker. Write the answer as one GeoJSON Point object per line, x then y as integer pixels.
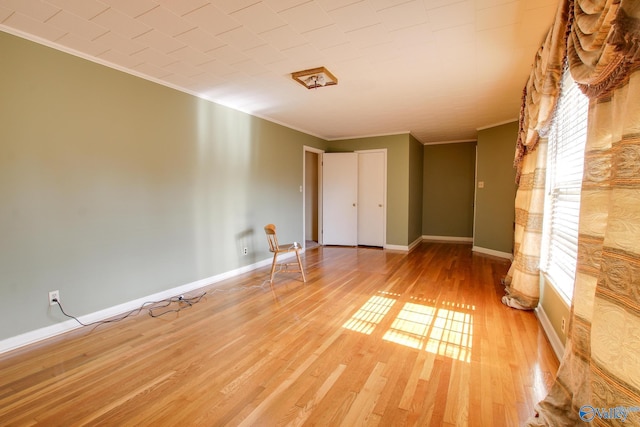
{"type": "Point", "coordinates": [439, 69]}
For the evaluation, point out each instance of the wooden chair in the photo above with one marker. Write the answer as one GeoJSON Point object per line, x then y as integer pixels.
{"type": "Point", "coordinates": [274, 247]}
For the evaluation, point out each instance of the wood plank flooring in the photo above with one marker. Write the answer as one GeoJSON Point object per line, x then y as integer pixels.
{"type": "Point", "coordinates": [374, 337]}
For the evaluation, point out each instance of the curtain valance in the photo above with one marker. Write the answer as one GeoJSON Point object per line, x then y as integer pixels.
{"type": "Point", "coordinates": [600, 40]}
{"type": "Point", "coordinates": [603, 47]}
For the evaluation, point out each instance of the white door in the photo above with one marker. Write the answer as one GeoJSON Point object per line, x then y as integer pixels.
{"type": "Point", "coordinates": [371, 198]}
{"type": "Point", "coordinates": [339, 200]}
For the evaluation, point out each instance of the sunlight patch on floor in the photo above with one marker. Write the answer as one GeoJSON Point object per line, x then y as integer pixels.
{"type": "Point", "coordinates": [445, 329]}
{"type": "Point", "coordinates": [370, 314]}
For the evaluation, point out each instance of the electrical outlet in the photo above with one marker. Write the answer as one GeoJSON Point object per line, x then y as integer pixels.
{"type": "Point", "coordinates": [54, 295]}
{"type": "Point", "coordinates": [245, 251]}
{"type": "Point", "coordinates": [563, 325]}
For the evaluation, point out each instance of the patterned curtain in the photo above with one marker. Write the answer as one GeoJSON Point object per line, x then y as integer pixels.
{"type": "Point", "coordinates": [598, 381]}
{"type": "Point", "coordinates": [523, 279]}
{"type": "Point", "coordinates": [540, 96]}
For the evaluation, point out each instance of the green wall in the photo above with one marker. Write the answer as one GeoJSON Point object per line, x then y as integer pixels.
{"type": "Point", "coordinates": [449, 181]}
{"type": "Point", "coordinates": [555, 307]}
{"type": "Point", "coordinates": [494, 217]}
{"type": "Point", "coordinates": [398, 155]}
{"type": "Point", "coordinates": [114, 188]}
{"type": "Point", "coordinates": [416, 188]}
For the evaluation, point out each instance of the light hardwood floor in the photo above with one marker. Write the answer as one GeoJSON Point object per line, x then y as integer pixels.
{"type": "Point", "coordinates": [373, 338]}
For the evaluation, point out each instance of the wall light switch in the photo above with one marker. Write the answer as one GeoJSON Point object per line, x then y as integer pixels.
{"type": "Point", "coordinates": [480, 184]}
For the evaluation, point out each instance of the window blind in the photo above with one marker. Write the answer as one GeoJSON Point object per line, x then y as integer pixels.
{"type": "Point", "coordinates": [565, 161]}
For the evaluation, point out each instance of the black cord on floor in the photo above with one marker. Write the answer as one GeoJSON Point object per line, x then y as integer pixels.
{"type": "Point", "coordinates": [181, 304]}
{"type": "Point", "coordinates": [153, 306]}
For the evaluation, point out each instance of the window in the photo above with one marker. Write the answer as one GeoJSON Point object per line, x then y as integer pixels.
{"type": "Point", "coordinates": [565, 160]}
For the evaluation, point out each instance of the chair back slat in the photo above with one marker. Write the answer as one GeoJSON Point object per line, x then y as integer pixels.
{"type": "Point", "coordinates": [270, 230]}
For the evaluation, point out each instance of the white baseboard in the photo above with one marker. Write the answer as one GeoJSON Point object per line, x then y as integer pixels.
{"type": "Point", "coordinates": [448, 239]}
{"type": "Point", "coordinates": [492, 252]}
{"type": "Point", "coordinates": [556, 344]}
{"type": "Point", "coordinates": [415, 243]}
{"type": "Point", "coordinates": [421, 239]}
{"type": "Point", "coordinates": [402, 248]}
{"type": "Point", "coordinates": [34, 336]}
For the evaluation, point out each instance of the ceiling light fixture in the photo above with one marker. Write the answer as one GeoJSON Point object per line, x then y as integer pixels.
{"type": "Point", "coordinates": [314, 78]}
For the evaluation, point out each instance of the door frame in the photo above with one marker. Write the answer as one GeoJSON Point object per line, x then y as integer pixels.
{"type": "Point", "coordinates": [319, 152]}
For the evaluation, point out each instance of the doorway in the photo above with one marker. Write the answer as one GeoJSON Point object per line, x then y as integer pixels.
{"type": "Point", "coordinates": [312, 197]}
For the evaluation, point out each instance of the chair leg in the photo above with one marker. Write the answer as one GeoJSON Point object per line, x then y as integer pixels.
{"type": "Point", "coordinates": [304, 279]}
{"type": "Point", "coordinates": [273, 266]}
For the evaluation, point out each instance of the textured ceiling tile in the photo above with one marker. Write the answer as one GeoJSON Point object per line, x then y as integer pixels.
{"type": "Point", "coordinates": [38, 11]}
{"type": "Point", "coordinates": [182, 7]}
{"type": "Point", "coordinates": [380, 54]}
{"type": "Point", "coordinates": [452, 15]}
{"type": "Point", "coordinates": [200, 39]}
{"type": "Point", "coordinates": [250, 68]}
{"type": "Point", "coordinates": [121, 23]}
{"type": "Point", "coordinates": [454, 36]}
{"type": "Point", "coordinates": [151, 70]}
{"type": "Point", "coordinates": [483, 4]}
{"type": "Point", "coordinates": [178, 80]}
{"type": "Point", "coordinates": [183, 69]}
{"type": "Point", "coordinates": [259, 18]}
{"type": "Point", "coordinates": [305, 54]}
{"type": "Point", "coordinates": [535, 4]}
{"type": "Point", "coordinates": [343, 52]}
{"type": "Point", "coordinates": [190, 55]}
{"type": "Point", "coordinates": [414, 37]}
{"type": "Point", "coordinates": [280, 5]}
{"type": "Point", "coordinates": [306, 17]}
{"type": "Point", "coordinates": [131, 8]}
{"type": "Point", "coordinates": [383, 4]}
{"type": "Point", "coordinates": [284, 67]}
{"type": "Point", "coordinates": [115, 41]}
{"type": "Point", "coordinates": [32, 26]}
{"type": "Point", "coordinates": [85, 9]}
{"type": "Point", "coordinates": [404, 15]}
{"type": "Point", "coordinates": [231, 6]}
{"type": "Point", "coordinates": [5, 13]}
{"type": "Point", "coordinates": [241, 38]}
{"type": "Point", "coordinates": [283, 37]}
{"type": "Point", "coordinates": [227, 54]}
{"type": "Point", "coordinates": [326, 37]}
{"type": "Point", "coordinates": [81, 44]}
{"type": "Point", "coordinates": [121, 60]}
{"type": "Point", "coordinates": [159, 41]}
{"type": "Point", "coordinates": [434, 4]}
{"type": "Point", "coordinates": [330, 5]}
{"type": "Point", "coordinates": [355, 16]}
{"type": "Point", "coordinates": [71, 23]}
{"type": "Point", "coordinates": [499, 16]}
{"type": "Point", "coordinates": [536, 21]}
{"type": "Point", "coordinates": [205, 82]}
{"type": "Point", "coordinates": [370, 36]}
{"type": "Point", "coordinates": [165, 21]}
{"type": "Point", "coordinates": [217, 68]}
{"type": "Point", "coordinates": [154, 57]}
{"type": "Point", "coordinates": [265, 54]}
{"type": "Point", "coordinates": [212, 20]}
